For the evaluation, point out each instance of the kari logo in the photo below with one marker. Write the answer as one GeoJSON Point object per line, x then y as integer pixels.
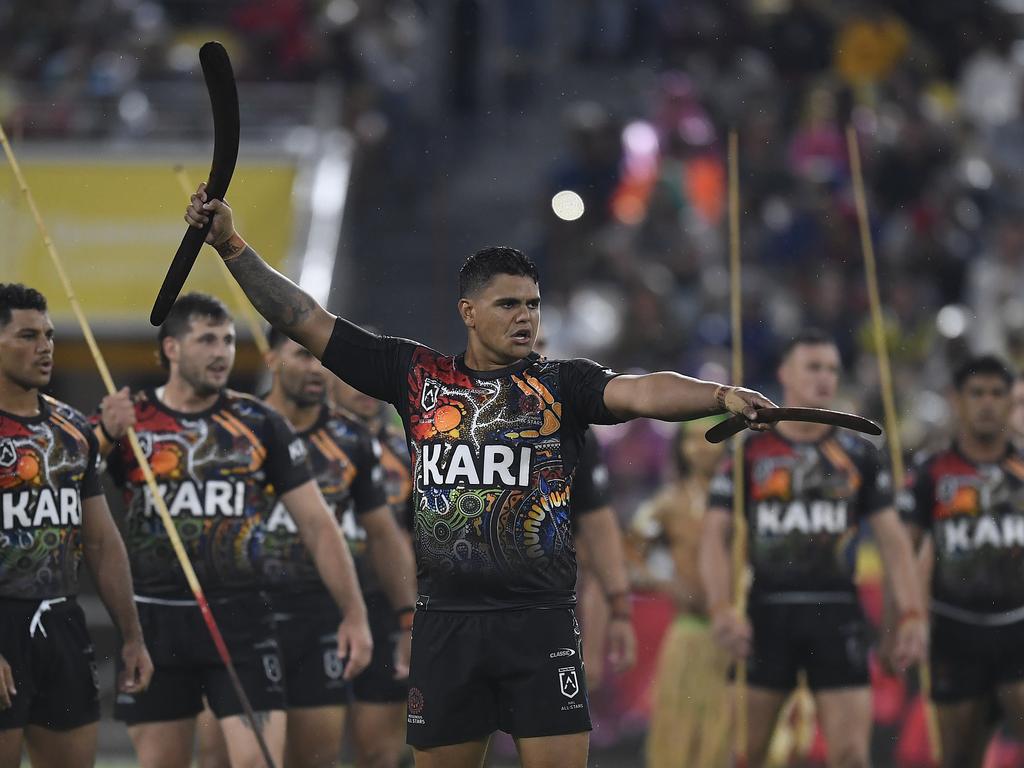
{"type": "Point", "coordinates": [568, 683]}
{"type": "Point", "coordinates": [561, 652]}
{"type": "Point", "coordinates": [8, 455]}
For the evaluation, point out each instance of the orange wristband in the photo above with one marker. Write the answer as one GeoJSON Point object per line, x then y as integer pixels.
{"type": "Point", "coordinates": [405, 617]}
{"type": "Point", "coordinates": [909, 616]}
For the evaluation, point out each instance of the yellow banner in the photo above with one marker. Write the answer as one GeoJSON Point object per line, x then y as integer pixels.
{"type": "Point", "coordinates": [117, 224]}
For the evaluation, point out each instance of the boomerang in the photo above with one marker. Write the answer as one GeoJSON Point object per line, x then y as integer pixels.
{"type": "Point", "coordinates": [737, 423]}
{"type": "Point", "coordinates": [220, 83]}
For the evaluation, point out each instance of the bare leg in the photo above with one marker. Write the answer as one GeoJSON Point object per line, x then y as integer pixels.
{"type": "Point", "coordinates": [62, 749]}
{"type": "Point", "coordinates": [244, 749]}
{"type": "Point", "coordinates": [10, 748]}
{"type": "Point", "coordinates": [166, 744]}
{"type": "Point", "coordinates": [567, 751]}
{"type": "Point", "coordinates": [469, 754]}
{"type": "Point", "coordinates": [965, 731]}
{"type": "Point", "coordinates": [845, 716]}
{"type": "Point", "coordinates": [212, 750]}
{"type": "Point", "coordinates": [314, 737]}
{"type": "Point", "coordinates": [378, 734]}
{"type": "Point", "coordinates": [763, 707]}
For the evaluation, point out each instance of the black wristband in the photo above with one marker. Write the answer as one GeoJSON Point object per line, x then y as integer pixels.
{"type": "Point", "coordinates": [110, 438]}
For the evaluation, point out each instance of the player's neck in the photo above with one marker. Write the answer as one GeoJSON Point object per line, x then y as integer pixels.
{"type": "Point", "coordinates": [982, 451]}
{"type": "Point", "coordinates": [301, 417]}
{"type": "Point", "coordinates": [177, 395]}
{"type": "Point", "coordinates": [17, 400]}
{"type": "Point", "coordinates": [479, 358]}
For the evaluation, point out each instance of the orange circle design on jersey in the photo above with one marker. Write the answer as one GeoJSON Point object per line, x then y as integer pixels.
{"type": "Point", "coordinates": [28, 467]}
{"type": "Point", "coordinates": [447, 418]}
{"type": "Point", "coordinates": [164, 461]}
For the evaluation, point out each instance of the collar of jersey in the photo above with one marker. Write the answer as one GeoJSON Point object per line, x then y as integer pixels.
{"type": "Point", "coordinates": [819, 441]}
{"type": "Point", "coordinates": [43, 415]}
{"type": "Point", "coordinates": [218, 405]}
{"type": "Point", "coordinates": [498, 373]}
{"type": "Point", "coordinates": [1009, 452]}
{"type": "Point", "coordinates": [321, 419]}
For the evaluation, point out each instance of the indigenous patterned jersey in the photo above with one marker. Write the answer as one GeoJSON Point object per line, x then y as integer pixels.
{"type": "Point", "coordinates": [494, 455]}
{"type": "Point", "coordinates": [344, 460]}
{"type": "Point", "coordinates": [394, 459]}
{"type": "Point", "coordinates": [220, 472]}
{"type": "Point", "coordinates": [975, 514]}
{"type": "Point", "coordinates": [803, 502]}
{"type": "Point", "coordinates": [47, 468]}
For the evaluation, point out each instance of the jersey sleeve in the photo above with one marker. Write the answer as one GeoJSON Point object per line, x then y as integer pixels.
{"type": "Point", "coordinates": [287, 456]}
{"type": "Point", "coordinates": [722, 489]}
{"type": "Point", "coordinates": [915, 498]}
{"type": "Point", "coordinates": [375, 365]}
{"type": "Point", "coordinates": [583, 383]}
{"type": "Point", "coordinates": [91, 485]}
{"type": "Point", "coordinates": [368, 486]}
{"type": "Point", "coordinates": [590, 490]}
{"type": "Point", "coordinates": [876, 492]}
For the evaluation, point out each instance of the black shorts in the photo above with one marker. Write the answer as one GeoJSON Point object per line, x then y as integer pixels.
{"type": "Point", "coordinates": [829, 641]}
{"type": "Point", "coordinates": [969, 661]}
{"type": "Point", "coordinates": [376, 684]}
{"type": "Point", "coordinates": [475, 672]}
{"type": "Point", "coordinates": [53, 663]}
{"type": "Point", "coordinates": [306, 623]}
{"type": "Point", "coordinates": [187, 666]}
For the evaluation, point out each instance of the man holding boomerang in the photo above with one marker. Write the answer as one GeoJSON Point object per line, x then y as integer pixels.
{"type": "Point", "coordinates": [495, 436]}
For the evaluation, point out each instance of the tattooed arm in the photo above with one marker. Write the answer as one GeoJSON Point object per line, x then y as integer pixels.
{"type": "Point", "coordinates": [281, 302]}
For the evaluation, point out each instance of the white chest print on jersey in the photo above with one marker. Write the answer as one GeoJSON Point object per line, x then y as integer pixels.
{"type": "Point", "coordinates": [18, 510]}
{"type": "Point", "coordinates": [460, 465]}
{"type": "Point", "coordinates": [967, 535]}
{"type": "Point", "coordinates": [214, 498]}
{"type": "Point", "coordinates": [776, 518]}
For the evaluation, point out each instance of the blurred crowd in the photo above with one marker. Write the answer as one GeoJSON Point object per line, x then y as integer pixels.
{"type": "Point", "coordinates": [934, 93]}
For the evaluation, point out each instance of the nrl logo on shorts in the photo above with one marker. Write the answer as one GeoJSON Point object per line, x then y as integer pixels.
{"type": "Point", "coordinates": [568, 682]}
{"type": "Point", "coordinates": [8, 454]}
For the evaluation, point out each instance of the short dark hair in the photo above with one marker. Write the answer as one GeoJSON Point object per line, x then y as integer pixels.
{"type": "Point", "coordinates": [276, 337]}
{"type": "Point", "coordinates": [982, 365]}
{"type": "Point", "coordinates": [812, 337]}
{"type": "Point", "coordinates": [179, 319]}
{"type": "Point", "coordinates": [18, 296]}
{"type": "Point", "coordinates": [480, 268]}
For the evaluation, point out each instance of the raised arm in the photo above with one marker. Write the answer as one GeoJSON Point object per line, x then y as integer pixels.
{"type": "Point", "coordinates": [673, 397]}
{"type": "Point", "coordinates": [281, 302]}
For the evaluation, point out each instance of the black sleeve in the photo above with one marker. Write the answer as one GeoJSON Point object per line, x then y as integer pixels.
{"type": "Point", "coordinates": [583, 382]}
{"type": "Point", "coordinates": [91, 485]}
{"type": "Point", "coordinates": [375, 365]}
{"type": "Point", "coordinates": [722, 489]}
{"type": "Point", "coordinates": [368, 486]}
{"type": "Point", "coordinates": [916, 497]}
{"type": "Point", "coordinates": [876, 491]}
{"type": "Point", "coordinates": [590, 486]}
{"type": "Point", "coordinates": [287, 457]}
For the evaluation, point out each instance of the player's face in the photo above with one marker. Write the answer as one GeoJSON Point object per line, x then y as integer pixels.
{"type": "Point", "coordinates": [351, 399]}
{"type": "Point", "coordinates": [984, 405]}
{"type": "Point", "coordinates": [810, 375]}
{"type": "Point", "coordinates": [505, 315]}
{"type": "Point", "coordinates": [1017, 415]}
{"type": "Point", "coordinates": [26, 349]}
{"type": "Point", "coordinates": [302, 377]}
{"type": "Point", "coordinates": [204, 356]}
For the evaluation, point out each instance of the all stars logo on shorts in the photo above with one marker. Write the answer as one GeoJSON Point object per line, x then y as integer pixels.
{"type": "Point", "coordinates": [569, 685]}
{"type": "Point", "coordinates": [415, 707]}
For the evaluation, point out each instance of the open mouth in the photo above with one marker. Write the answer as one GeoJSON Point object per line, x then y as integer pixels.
{"type": "Point", "coordinates": [522, 337]}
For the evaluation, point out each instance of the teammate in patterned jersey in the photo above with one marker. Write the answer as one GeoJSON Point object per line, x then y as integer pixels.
{"type": "Point", "coordinates": [222, 460]}
{"type": "Point", "coordinates": [376, 719]}
{"type": "Point", "coordinates": [967, 500]}
{"type": "Point", "coordinates": [495, 436]}
{"type": "Point", "coordinates": [807, 488]}
{"type": "Point", "coordinates": [52, 517]}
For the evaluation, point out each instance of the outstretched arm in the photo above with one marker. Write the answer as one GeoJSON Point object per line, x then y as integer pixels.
{"type": "Point", "coordinates": [673, 397]}
{"type": "Point", "coordinates": [281, 302]}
